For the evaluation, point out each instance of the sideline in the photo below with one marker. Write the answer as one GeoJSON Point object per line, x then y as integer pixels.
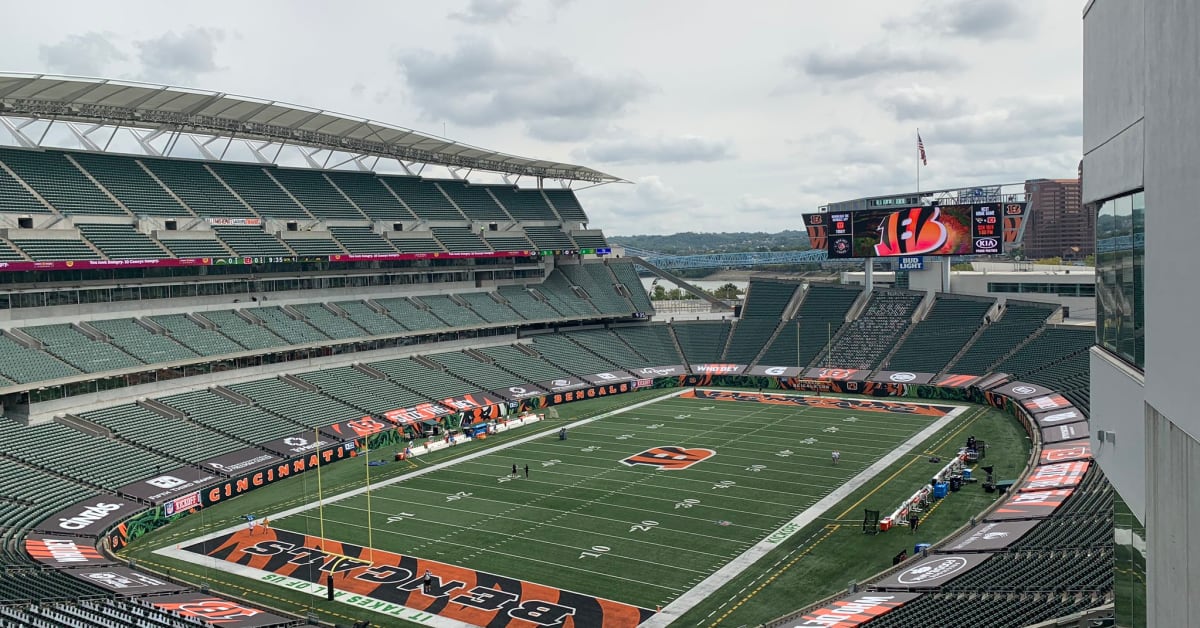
{"type": "Point", "coordinates": [747, 559]}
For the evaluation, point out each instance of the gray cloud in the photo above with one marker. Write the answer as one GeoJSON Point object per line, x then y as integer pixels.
{"type": "Point", "coordinates": [633, 150]}
{"type": "Point", "coordinates": [479, 83]}
{"type": "Point", "coordinates": [486, 11]}
{"type": "Point", "coordinates": [873, 60]}
{"type": "Point", "coordinates": [983, 19]}
{"type": "Point", "coordinates": [649, 206]}
{"type": "Point", "coordinates": [1014, 121]}
{"type": "Point", "coordinates": [178, 58]}
{"type": "Point", "coordinates": [918, 102]}
{"type": "Point", "coordinates": [89, 54]}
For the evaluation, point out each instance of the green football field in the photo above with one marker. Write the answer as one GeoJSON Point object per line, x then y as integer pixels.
{"type": "Point", "coordinates": [584, 521]}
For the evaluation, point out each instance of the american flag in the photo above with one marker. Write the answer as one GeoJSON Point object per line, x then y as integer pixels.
{"type": "Point", "coordinates": [921, 149]}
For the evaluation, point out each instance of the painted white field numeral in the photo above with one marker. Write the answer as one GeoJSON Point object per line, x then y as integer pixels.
{"type": "Point", "coordinates": [643, 526]}
{"type": "Point", "coordinates": [724, 484]}
{"type": "Point", "coordinates": [457, 496]}
{"type": "Point", "coordinates": [588, 450]}
{"type": "Point", "coordinates": [595, 552]}
{"type": "Point", "coordinates": [808, 441]}
{"type": "Point", "coordinates": [551, 462]}
{"type": "Point", "coordinates": [504, 478]}
{"type": "Point", "coordinates": [654, 426]}
{"type": "Point", "coordinates": [755, 468]}
{"type": "Point", "coordinates": [687, 503]}
{"type": "Point", "coordinates": [831, 429]}
{"type": "Point", "coordinates": [400, 517]}
{"type": "Point", "coordinates": [625, 437]}
{"type": "Point", "coordinates": [785, 453]}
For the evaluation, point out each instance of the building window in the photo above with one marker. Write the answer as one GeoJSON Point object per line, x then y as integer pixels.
{"type": "Point", "coordinates": [1120, 277]}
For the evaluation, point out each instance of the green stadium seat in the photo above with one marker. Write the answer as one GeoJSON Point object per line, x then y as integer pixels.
{"type": "Point", "coordinates": [251, 241]}
{"type": "Point", "coordinates": [370, 195]}
{"type": "Point", "coordinates": [130, 183]}
{"type": "Point", "coordinates": [317, 194]}
{"type": "Point", "coordinates": [58, 181]}
{"type": "Point", "coordinates": [761, 314]}
{"type": "Point", "coordinates": [474, 201]}
{"type": "Point", "coordinates": [361, 240]}
{"type": "Point", "coordinates": [566, 205]}
{"type": "Point", "coordinates": [423, 198]}
{"type": "Point", "coordinates": [459, 240]}
{"type": "Point", "coordinates": [524, 205]}
{"type": "Point", "coordinates": [119, 241]}
{"type": "Point", "coordinates": [252, 183]}
{"type": "Point", "coordinates": [198, 188]}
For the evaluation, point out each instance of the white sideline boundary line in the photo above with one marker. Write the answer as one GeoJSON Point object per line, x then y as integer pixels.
{"type": "Point", "coordinates": [747, 559]}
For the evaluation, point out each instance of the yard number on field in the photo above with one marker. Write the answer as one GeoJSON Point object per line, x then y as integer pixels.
{"type": "Point", "coordinates": [643, 526]}
{"type": "Point", "coordinates": [785, 453]}
{"type": "Point", "coordinates": [755, 468]}
{"type": "Point", "coordinates": [724, 484]}
{"type": "Point", "coordinates": [588, 450]}
{"type": "Point", "coordinates": [457, 496]}
{"type": "Point", "coordinates": [400, 517]}
{"type": "Point", "coordinates": [551, 462]}
{"type": "Point", "coordinates": [595, 552]}
{"type": "Point", "coordinates": [625, 437]}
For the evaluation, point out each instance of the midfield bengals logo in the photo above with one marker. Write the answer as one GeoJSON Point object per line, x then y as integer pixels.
{"type": "Point", "coordinates": [669, 458]}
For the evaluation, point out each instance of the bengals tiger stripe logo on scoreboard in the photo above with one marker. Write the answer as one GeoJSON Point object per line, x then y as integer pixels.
{"type": "Point", "coordinates": [911, 231]}
{"type": "Point", "coordinates": [669, 458]}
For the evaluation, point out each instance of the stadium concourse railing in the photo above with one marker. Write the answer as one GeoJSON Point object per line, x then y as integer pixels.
{"type": "Point", "coordinates": [86, 534]}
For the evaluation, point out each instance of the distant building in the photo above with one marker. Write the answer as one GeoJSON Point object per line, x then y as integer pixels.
{"type": "Point", "coordinates": [1058, 225]}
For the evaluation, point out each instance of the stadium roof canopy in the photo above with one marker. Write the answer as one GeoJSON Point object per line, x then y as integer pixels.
{"type": "Point", "coordinates": [164, 108]}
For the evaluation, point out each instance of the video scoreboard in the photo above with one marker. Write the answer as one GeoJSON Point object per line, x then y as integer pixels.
{"type": "Point", "coordinates": [959, 229]}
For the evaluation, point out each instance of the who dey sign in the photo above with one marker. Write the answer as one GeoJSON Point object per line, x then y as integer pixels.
{"type": "Point", "coordinates": [910, 263]}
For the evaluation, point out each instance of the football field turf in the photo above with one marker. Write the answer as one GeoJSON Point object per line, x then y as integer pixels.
{"type": "Point", "coordinates": [603, 513]}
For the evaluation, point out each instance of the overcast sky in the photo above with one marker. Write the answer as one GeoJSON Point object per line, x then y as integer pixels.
{"type": "Point", "coordinates": [725, 116]}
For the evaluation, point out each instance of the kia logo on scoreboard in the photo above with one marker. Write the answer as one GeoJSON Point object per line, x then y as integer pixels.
{"type": "Point", "coordinates": [986, 245]}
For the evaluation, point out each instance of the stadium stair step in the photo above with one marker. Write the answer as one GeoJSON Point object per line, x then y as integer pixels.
{"type": "Point", "coordinates": [963, 350]}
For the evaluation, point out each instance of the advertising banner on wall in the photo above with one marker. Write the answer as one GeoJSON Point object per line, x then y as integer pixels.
{"type": "Point", "coordinates": [934, 571]}
{"type": "Point", "coordinates": [1052, 476]}
{"type": "Point", "coordinates": [417, 413]}
{"type": "Point", "coordinates": [240, 461]}
{"type": "Point", "coordinates": [165, 487]}
{"type": "Point", "coordinates": [654, 372]}
{"type": "Point", "coordinates": [609, 377]}
{"type": "Point", "coordinates": [1061, 416]}
{"type": "Point", "coordinates": [903, 377]}
{"type": "Point", "coordinates": [775, 371]}
{"type": "Point", "coordinates": [516, 393]}
{"type": "Point", "coordinates": [837, 374]}
{"type": "Point", "coordinates": [718, 369]}
{"type": "Point", "coordinates": [1036, 505]}
{"type": "Point", "coordinates": [125, 581]}
{"type": "Point", "coordinates": [990, 536]}
{"type": "Point", "coordinates": [854, 610]}
{"type": "Point", "coordinates": [1060, 433]}
{"type": "Point", "coordinates": [1066, 451]}
{"type": "Point", "coordinates": [957, 381]}
{"type": "Point", "coordinates": [299, 444]}
{"type": "Point", "coordinates": [89, 517]}
{"type": "Point", "coordinates": [1046, 403]}
{"type": "Point", "coordinates": [64, 551]}
{"type": "Point", "coordinates": [1021, 390]}
{"type": "Point", "coordinates": [562, 384]}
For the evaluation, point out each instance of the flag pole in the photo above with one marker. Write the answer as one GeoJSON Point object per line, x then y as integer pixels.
{"type": "Point", "coordinates": [370, 527]}
{"type": "Point", "coordinates": [320, 493]}
{"type": "Point", "coordinates": [918, 164]}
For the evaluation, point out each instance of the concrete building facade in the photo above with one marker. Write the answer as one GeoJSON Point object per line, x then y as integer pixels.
{"type": "Point", "coordinates": [1141, 150]}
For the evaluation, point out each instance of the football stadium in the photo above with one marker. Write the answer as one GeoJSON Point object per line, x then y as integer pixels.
{"type": "Point", "coordinates": [238, 393]}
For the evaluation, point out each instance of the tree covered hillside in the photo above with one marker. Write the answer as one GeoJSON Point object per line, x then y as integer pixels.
{"type": "Point", "coordinates": [690, 243]}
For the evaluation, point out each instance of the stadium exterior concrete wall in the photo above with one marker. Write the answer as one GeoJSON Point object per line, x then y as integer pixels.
{"type": "Point", "coordinates": [1140, 131]}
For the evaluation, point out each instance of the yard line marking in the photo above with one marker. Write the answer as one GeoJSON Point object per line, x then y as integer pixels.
{"type": "Point", "coordinates": [460, 545]}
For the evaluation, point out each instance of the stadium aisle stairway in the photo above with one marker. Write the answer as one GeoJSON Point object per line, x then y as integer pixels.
{"type": "Point", "coordinates": [1020, 320]}
{"type": "Point", "coordinates": [821, 314]}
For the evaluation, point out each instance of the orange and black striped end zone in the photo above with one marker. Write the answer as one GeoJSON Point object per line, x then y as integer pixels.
{"type": "Point", "coordinates": [862, 405]}
{"type": "Point", "coordinates": [459, 593]}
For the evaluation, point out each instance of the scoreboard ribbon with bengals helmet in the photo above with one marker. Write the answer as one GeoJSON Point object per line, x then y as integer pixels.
{"type": "Point", "coordinates": [952, 229]}
{"type": "Point", "coordinates": [459, 593]}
